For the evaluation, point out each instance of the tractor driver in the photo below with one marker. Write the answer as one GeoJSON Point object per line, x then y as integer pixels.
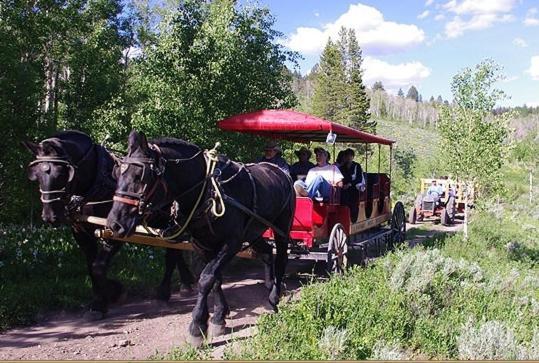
{"type": "Point", "coordinates": [435, 191]}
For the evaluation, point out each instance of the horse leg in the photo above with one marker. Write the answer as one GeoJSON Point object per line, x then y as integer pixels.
{"type": "Point", "coordinates": [163, 291]}
{"type": "Point", "coordinates": [100, 286]}
{"type": "Point", "coordinates": [220, 309]}
{"type": "Point", "coordinates": [112, 290]}
{"type": "Point", "coordinates": [199, 325]}
{"type": "Point", "coordinates": [186, 277]}
{"type": "Point", "coordinates": [266, 252]}
{"type": "Point", "coordinates": [281, 259]}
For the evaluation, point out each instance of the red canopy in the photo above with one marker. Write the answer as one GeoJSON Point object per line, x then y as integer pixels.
{"type": "Point", "coordinates": [296, 126]}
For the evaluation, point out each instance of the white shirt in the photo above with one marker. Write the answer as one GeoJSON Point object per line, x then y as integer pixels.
{"type": "Point", "coordinates": [329, 172]}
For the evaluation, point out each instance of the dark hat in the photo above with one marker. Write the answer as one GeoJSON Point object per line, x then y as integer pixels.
{"type": "Point", "coordinates": [272, 145]}
{"type": "Point", "coordinates": [320, 150]}
{"type": "Point", "coordinates": [303, 150]}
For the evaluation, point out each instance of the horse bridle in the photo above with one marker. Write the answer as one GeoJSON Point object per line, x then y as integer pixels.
{"type": "Point", "coordinates": [157, 166]}
{"type": "Point", "coordinates": [71, 167]}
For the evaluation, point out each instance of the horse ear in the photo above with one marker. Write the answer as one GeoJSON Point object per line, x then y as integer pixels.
{"type": "Point", "coordinates": [32, 147]}
{"type": "Point", "coordinates": [137, 140]}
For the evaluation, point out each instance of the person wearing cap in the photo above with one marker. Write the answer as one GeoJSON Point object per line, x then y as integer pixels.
{"type": "Point", "coordinates": [272, 154]}
{"type": "Point", "coordinates": [300, 169]}
{"type": "Point", "coordinates": [320, 179]}
{"type": "Point", "coordinates": [353, 183]}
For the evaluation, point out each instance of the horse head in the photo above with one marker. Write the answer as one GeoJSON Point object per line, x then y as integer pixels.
{"type": "Point", "coordinates": [55, 168]}
{"type": "Point", "coordinates": [148, 180]}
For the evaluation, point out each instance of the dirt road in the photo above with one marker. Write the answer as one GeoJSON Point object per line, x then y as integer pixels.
{"type": "Point", "coordinates": [144, 327]}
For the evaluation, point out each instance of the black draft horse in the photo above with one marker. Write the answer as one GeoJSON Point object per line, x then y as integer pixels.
{"type": "Point", "coordinates": [76, 175]}
{"type": "Point", "coordinates": [171, 169]}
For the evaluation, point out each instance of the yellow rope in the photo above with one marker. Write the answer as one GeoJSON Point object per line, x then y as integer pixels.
{"type": "Point", "coordinates": [213, 158]}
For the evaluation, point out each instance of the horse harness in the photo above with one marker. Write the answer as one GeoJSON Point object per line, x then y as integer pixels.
{"type": "Point", "coordinates": [157, 166]}
{"type": "Point", "coordinates": [72, 167]}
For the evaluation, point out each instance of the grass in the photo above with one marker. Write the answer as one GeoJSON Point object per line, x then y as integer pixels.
{"type": "Point", "coordinates": [448, 299]}
{"type": "Point", "coordinates": [42, 269]}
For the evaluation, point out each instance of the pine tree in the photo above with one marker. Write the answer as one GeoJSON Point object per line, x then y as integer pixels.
{"type": "Point", "coordinates": [431, 100]}
{"type": "Point", "coordinates": [330, 86]}
{"type": "Point", "coordinates": [356, 113]}
{"type": "Point", "coordinates": [378, 86]}
{"type": "Point", "coordinates": [400, 93]}
{"type": "Point", "coordinates": [439, 100]}
{"type": "Point", "coordinates": [413, 94]}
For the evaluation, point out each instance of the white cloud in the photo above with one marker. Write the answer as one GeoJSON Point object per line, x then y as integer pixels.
{"type": "Point", "coordinates": [532, 104]}
{"type": "Point", "coordinates": [423, 15]}
{"type": "Point", "coordinates": [439, 17]}
{"type": "Point", "coordinates": [531, 18]}
{"type": "Point", "coordinates": [519, 42]}
{"type": "Point", "coordinates": [317, 14]}
{"type": "Point", "coordinates": [534, 68]}
{"type": "Point", "coordinates": [394, 76]}
{"type": "Point", "coordinates": [479, 6]}
{"type": "Point", "coordinates": [375, 34]}
{"type": "Point", "coordinates": [476, 14]}
{"type": "Point", "coordinates": [429, 2]}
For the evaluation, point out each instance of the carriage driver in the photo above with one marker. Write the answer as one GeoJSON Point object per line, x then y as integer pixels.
{"type": "Point", "coordinates": [272, 154]}
{"type": "Point", "coordinates": [320, 179]}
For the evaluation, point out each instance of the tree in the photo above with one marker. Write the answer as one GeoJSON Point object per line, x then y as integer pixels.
{"type": "Point", "coordinates": [431, 99]}
{"type": "Point", "coordinates": [439, 99]}
{"type": "Point", "coordinates": [330, 86]}
{"type": "Point", "coordinates": [413, 94]}
{"type": "Point", "coordinates": [356, 113]}
{"type": "Point", "coordinates": [210, 60]}
{"type": "Point", "coordinates": [400, 93]}
{"type": "Point", "coordinates": [378, 86]}
{"type": "Point", "coordinates": [477, 138]}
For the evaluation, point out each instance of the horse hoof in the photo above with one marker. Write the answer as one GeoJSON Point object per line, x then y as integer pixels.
{"type": "Point", "coordinates": [93, 315]}
{"type": "Point", "coordinates": [195, 341]}
{"type": "Point", "coordinates": [216, 330]}
{"type": "Point", "coordinates": [163, 294]}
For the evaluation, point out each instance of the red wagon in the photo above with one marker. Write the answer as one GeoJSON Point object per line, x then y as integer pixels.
{"type": "Point", "coordinates": [323, 230]}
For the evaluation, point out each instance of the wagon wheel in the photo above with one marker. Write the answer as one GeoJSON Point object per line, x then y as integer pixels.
{"type": "Point", "coordinates": [398, 224]}
{"type": "Point", "coordinates": [337, 259]}
{"type": "Point", "coordinates": [412, 217]}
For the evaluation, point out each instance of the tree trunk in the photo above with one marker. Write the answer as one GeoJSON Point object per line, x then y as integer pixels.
{"type": "Point", "coordinates": [466, 199]}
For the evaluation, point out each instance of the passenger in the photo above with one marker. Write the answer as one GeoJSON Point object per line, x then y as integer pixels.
{"type": "Point", "coordinates": [272, 154]}
{"type": "Point", "coordinates": [300, 169]}
{"type": "Point", "coordinates": [320, 179]}
{"type": "Point", "coordinates": [435, 191]}
{"type": "Point", "coordinates": [353, 183]}
{"type": "Point", "coordinates": [340, 158]}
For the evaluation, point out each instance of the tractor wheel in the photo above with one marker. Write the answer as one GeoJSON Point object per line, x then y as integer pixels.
{"type": "Point", "coordinates": [412, 217]}
{"type": "Point", "coordinates": [337, 259]}
{"type": "Point", "coordinates": [398, 224]}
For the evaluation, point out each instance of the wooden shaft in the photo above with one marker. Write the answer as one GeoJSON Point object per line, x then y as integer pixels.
{"type": "Point", "coordinates": [142, 237]}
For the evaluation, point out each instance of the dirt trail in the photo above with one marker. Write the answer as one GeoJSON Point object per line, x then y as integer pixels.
{"type": "Point", "coordinates": [144, 327]}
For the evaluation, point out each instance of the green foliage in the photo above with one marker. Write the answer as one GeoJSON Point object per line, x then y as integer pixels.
{"type": "Point", "coordinates": [210, 61]}
{"type": "Point", "coordinates": [413, 94]}
{"type": "Point", "coordinates": [478, 141]}
{"type": "Point", "coordinates": [339, 92]}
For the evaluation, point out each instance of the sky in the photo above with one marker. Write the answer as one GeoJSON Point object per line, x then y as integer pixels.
{"type": "Point", "coordinates": [422, 42]}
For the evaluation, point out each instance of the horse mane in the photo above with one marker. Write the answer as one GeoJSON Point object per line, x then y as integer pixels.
{"type": "Point", "coordinates": [175, 145]}
{"type": "Point", "coordinates": [77, 139]}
